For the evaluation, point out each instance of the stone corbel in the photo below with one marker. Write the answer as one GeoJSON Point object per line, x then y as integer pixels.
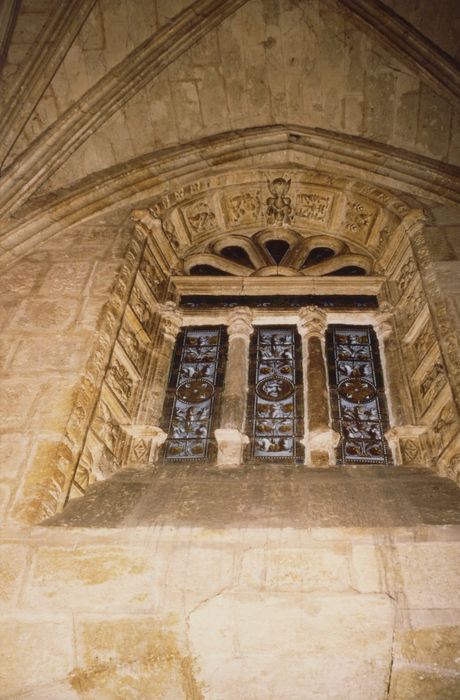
{"type": "Point", "coordinates": [146, 441]}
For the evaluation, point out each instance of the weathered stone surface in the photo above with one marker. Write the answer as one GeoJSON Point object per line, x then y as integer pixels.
{"type": "Point", "coordinates": [13, 558]}
{"type": "Point", "coordinates": [328, 643]}
{"type": "Point", "coordinates": [275, 496]}
{"type": "Point", "coordinates": [36, 653]}
{"type": "Point", "coordinates": [131, 657]}
{"type": "Point", "coordinates": [105, 579]}
{"type": "Point", "coordinates": [407, 684]}
{"type": "Point", "coordinates": [429, 577]}
{"type": "Point", "coordinates": [315, 569]}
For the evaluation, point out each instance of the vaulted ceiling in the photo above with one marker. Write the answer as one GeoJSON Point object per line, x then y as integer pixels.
{"type": "Point", "coordinates": [94, 90]}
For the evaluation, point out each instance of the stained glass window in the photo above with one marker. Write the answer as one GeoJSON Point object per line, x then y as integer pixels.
{"type": "Point", "coordinates": [275, 397]}
{"type": "Point", "coordinates": [358, 402]}
{"type": "Point", "coordinates": [193, 395]}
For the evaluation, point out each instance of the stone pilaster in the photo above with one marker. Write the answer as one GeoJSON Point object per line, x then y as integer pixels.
{"type": "Point", "coordinates": [230, 437]}
{"type": "Point", "coordinates": [320, 440]}
{"type": "Point", "coordinates": [405, 439]}
{"type": "Point", "coordinates": [171, 321]}
{"type": "Point", "coordinates": [398, 398]}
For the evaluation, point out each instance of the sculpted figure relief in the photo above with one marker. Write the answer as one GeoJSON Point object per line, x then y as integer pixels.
{"type": "Point", "coordinates": [279, 210]}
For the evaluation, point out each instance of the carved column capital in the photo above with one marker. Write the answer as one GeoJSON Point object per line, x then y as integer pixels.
{"type": "Point", "coordinates": [171, 320]}
{"type": "Point", "coordinates": [312, 321]}
{"type": "Point", "coordinates": [146, 441]}
{"type": "Point", "coordinates": [240, 323]}
{"type": "Point", "coordinates": [383, 325]}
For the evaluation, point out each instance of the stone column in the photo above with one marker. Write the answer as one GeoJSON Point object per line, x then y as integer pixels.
{"type": "Point", "coordinates": [320, 440]}
{"type": "Point", "coordinates": [171, 321]}
{"type": "Point", "coordinates": [230, 437]}
{"type": "Point", "coordinates": [406, 440]}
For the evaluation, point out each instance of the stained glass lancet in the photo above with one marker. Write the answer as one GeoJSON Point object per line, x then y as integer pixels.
{"type": "Point", "coordinates": [275, 399]}
{"type": "Point", "coordinates": [358, 401]}
{"type": "Point", "coordinates": [195, 382]}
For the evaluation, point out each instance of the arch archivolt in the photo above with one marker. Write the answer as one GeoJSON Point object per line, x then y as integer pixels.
{"type": "Point", "coordinates": [301, 254]}
{"type": "Point", "coordinates": [362, 225]}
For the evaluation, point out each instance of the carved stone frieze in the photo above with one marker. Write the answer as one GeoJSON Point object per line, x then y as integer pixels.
{"type": "Point", "coordinates": [432, 382]}
{"type": "Point", "coordinates": [407, 274]}
{"type": "Point", "coordinates": [358, 218]}
{"type": "Point", "coordinates": [106, 426]}
{"type": "Point", "coordinates": [200, 217]}
{"type": "Point", "coordinates": [148, 272]}
{"type": "Point", "coordinates": [312, 206]}
{"type": "Point", "coordinates": [132, 346]}
{"type": "Point", "coordinates": [444, 428]}
{"type": "Point", "coordinates": [141, 308]}
{"type": "Point", "coordinates": [278, 210]}
{"type": "Point", "coordinates": [442, 322]}
{"type": "Point", "coordinates": [424, 341]}
{"type": "Point", "coordinates": [243, 207]}
{"type": "Point", "coordinates": [120, 381]}
{"type": "Point", "coordinates": [412, 306]}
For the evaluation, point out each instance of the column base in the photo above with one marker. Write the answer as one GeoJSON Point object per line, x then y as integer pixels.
{"type": "Point", "coordinates": [407, 444]}
{"type": "Point", "coordinates": [320, 448]}
{"type": "Point", "coordinates": [230, 446]}
{"type": "Point", "coordinates": [145, 445]}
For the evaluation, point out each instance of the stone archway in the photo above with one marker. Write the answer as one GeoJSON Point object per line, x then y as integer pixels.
{"type": "Point", "coordinates": [109, 425]}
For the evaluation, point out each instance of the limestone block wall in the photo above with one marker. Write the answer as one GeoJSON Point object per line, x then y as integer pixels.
{"type": "Point", "coordinates": [200, 614]}
{"type": "Point", "coordinates": [51, 305]}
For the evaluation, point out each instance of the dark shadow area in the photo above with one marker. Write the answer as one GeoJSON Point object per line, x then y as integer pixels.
{"type": "Point", "coordinates": [266, 496]}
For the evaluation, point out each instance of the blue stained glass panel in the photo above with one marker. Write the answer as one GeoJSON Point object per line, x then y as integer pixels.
{"type": "Point", "coordinates": [194, 380]}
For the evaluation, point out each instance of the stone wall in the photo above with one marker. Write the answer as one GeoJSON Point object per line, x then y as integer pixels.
{"type": "Point", "coordinates": [268, 614]}
{"type": "Point", "coordinates": [51, 303]}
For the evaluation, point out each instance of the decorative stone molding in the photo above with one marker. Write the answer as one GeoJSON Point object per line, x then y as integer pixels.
{"type": "Point", "coordinates": [45, 490]}
{"type": "Point", "coordinates": [134, 179]}
{"type": "Point", "coordinates": [240, 323]}
{"type": "Point", "coordinates": [146, 441]}
{"type": "Point", "coordinates": [312, 322]}
{"type": "Point", "coordinates": [38, 69]}
{"type": "Point", "coordinates": [108, 95]}
{"type": "Point", "coordinates": [156, 383]}
{"type": "Point", "coordinates": [413, 48]}
{"type": "Point", "coordinates": [407, 444]}
{"type": "Point", "coordinates": [448, 340]}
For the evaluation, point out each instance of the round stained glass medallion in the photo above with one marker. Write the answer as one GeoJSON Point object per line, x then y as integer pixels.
{"type": "Point", "coordinates": [357, 390]}
{"type": "Point", "coordinates": [275, 389]}
{"type": "Point", "coordinates": [195, 391]}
